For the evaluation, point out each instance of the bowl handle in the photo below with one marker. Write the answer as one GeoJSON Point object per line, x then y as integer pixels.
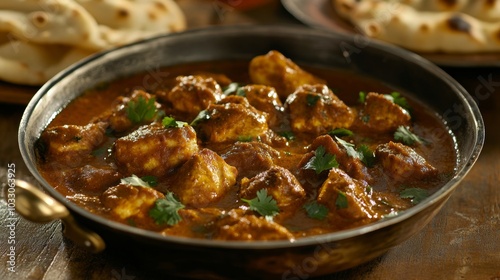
{"type": "Point", "coordinates": [36, 206]}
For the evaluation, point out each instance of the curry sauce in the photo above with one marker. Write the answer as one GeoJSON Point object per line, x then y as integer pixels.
{"type": "Point", "coordinates": [246, 150]}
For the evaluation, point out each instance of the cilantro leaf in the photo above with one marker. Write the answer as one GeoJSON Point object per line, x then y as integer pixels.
{"type": "Point", "coordinates": [415, 194]}
{"type": "Point", "coordinates": [367, 156]}
{"type": "Point", "coordinates": [340, 132]}
{"type": "Point", "coordinates": [312, 99]}
{"type": "Point", "coordinates": [150, 180]}
{"type": "Point", "coordinates": [263, 204]}
{"type": "Point", "coordinates": [398, 100]}
{"type": "Point", "coordinates": [169, 122]}
{"type": "Point", "coordinates": [288, 135]}
{"type": "Point", "coordinates": [349, 148]}
{"type": "Point", "coordinates": [341, 201]}
{"type": "Point", "coordinates": [362, 97]}
{"type": "Point", "coordinates": [141, 110]}
{"type": "Point", "coordinates": [234, 88]}
{"type": "Point", "coordinates": [166, 210]}
{"type": "Point", "coordinates": [404, 135]}
{"type": "Point", "coordinates": [321, 161]}
{"type": "Point", "coordinates": [316, 211]}
{"type": "Point", "coordinates": [134, 181]}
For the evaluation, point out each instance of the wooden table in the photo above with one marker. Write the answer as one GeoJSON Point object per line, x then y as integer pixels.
{"type": "Point", "coordinates": [461, 242]}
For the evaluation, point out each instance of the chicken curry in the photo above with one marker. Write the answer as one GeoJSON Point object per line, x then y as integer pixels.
{"type": "Point", "coordinates": [246, 150]}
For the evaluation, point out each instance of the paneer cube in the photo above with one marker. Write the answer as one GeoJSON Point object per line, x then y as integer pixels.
{"type": "Point", "coordinates": [275, 70]}
{"type": "Point", "coordinates": [154, 150]}
{"type": "Point", "coordinates": [204, 179]}
{"type": "Point", "coordinates": [315, 109]}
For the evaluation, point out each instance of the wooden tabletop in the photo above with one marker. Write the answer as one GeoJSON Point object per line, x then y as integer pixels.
{"type": "Point", "coordinates": [461, 242]}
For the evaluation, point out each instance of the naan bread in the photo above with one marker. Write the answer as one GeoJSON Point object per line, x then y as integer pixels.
{"type": "Point", "coordinates": [39, 38]}
{"type": "Point", "coordinates": [428, 26]}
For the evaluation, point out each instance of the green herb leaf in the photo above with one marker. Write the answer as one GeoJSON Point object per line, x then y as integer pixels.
{"type": "Point", "coordinates": [166, 210]}
{"type": "Point", "coordinates": [312, 99]}
{"type": "Point", "coordinates": [233, 88]}
{"type": "Point", "coordinates": [341, 201]}
{"type": "Point", "coordinates": [404, 135]}
{"type": "Point", "coordinates": [367, 156]}
{"type": "Point", "coordinates": [141, 110]}
{"type": "Point", "coordinates": [134, 181]}
{"type": "Point", "coordinates": [399, 100]}
{"type": "Point", "coordinates": [365, 118]}
{"type": "Point", "coordinates": [244, 138]}
{"type": "Point", "coordinates": [340, 132]}
{"type": "Point", "coordinates": [150, 180]}
{"type": "Point", "coordinates": [169, 122]}
{"type": "Point", "coordinates": [263, 204]}
{"type": "Point", "coordinates": [321, 161]}
{"type": "Point", "coordinates": [349, 148]}
{"type": "Point", "coordinates": [316, 211]}
{"type": "Point", "coordinates": [362, 97]}
{"type": "Point", "coordinates": [415, 194]}
{"type": "Point", "coordinates": [288, 135]}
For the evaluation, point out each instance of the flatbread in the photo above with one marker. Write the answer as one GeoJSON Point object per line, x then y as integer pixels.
{"type": "Point", "coordinates": [39, 38]}
{"type": "Point", "coordinates": [428, 26]}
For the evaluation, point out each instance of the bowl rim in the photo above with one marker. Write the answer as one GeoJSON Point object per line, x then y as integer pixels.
{"type": "Point", "coordinates": [289, 30]}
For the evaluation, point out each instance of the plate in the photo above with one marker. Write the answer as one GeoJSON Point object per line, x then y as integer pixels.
{"type": "Point", "coordinates": [321, 14]}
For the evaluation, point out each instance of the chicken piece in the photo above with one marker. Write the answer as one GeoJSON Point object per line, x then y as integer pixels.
{"type": "Point", "coordinates": [231, 122]}
{"type": "Point", "coordinates": [380, 114]}
{"type": "Point", "coordinates": [315, 109]}
{"type": "Point", "coordinates": [275, 70]}
{"type": "Point", "coordinates": [346, 198]}
{"type": "Point", "coordinates": [71, 145]}
{"type": "Point", "coordinates": [402, 163]}
{"type": "Point", "coordinates": [91, 179]}
{"type": "Point", "coordinates": [238, 226]}
{"type": "Point", "coordinates": [258, 157]}
{"type": "Point", "coordinates": [265, 99]}
{"type": "Point", "coordinates": [203, 179]}
{"type": "Point", "coordinates": [351, 165]}
{"type": "Point", "coordinates": [191, 94]}
{"type": "Point", "coordinates": [126, 201]}
{"type": "Point", "coordinates": [154, 150]}
{"type": "Point", "coordinates": [280, 183]}
{"type": "Point", "coordinates": [118, 117]}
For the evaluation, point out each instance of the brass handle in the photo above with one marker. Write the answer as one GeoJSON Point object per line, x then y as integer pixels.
{"type": "Point", "coordinates": [36, 206]}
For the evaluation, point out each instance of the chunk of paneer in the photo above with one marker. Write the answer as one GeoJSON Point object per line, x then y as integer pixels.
{"type": "Point", "coordinates": [126, 201]}
{"type": "Point", "coordinates": [265, 99]}
{"type": "Point", "coordinates": [239, 226]}
{"type": "Point", "coordinates": [204, 179]}
{"type": "Point", "coordinates": [191, 94]}
{"type": "Point", "coordinates": [231, 122]}
{"type": "Point", "coordinates": [346, 198]}
{"type": "Point", "coordinates": [380, 114]}
{"type": "Point", "coordinates": [118, 117]}
{"type": "Point", "coordinates": [71, 145]}
{"type": "Point", "coordinates": [154, 150]}
{"type": "Point", "coordinates": [275, 70]}
{"type": "Point", "coordinates": [90, 179]}
{"type": "Point", "coordinates": [280, 183]}
{"type": "Point", "coordinates": [315, 109]}
{"type": "Point", "coordinates": [402, 163]}
{"type": "Point", "coordinates": [258, 157]}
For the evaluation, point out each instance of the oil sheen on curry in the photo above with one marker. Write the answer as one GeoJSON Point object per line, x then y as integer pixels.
{"type": "Point", "coordinates": [246, 150]}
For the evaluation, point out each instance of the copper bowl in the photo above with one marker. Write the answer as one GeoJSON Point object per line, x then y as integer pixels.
{"type": "Point", "coordinates": [310, 256]}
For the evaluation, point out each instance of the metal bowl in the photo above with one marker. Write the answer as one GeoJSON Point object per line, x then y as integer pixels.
{"type": "Point", "coordinates": [310, 256]}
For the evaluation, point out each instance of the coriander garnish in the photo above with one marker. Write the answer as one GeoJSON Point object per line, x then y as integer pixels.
{"type": "Point", "coordinates": [263, 204]}
{"type": "Point", "coordinates": [166, 210]}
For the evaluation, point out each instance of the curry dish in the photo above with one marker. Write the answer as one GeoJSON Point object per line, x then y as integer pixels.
{"type": "Point", "coordinates": [246, 150]}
